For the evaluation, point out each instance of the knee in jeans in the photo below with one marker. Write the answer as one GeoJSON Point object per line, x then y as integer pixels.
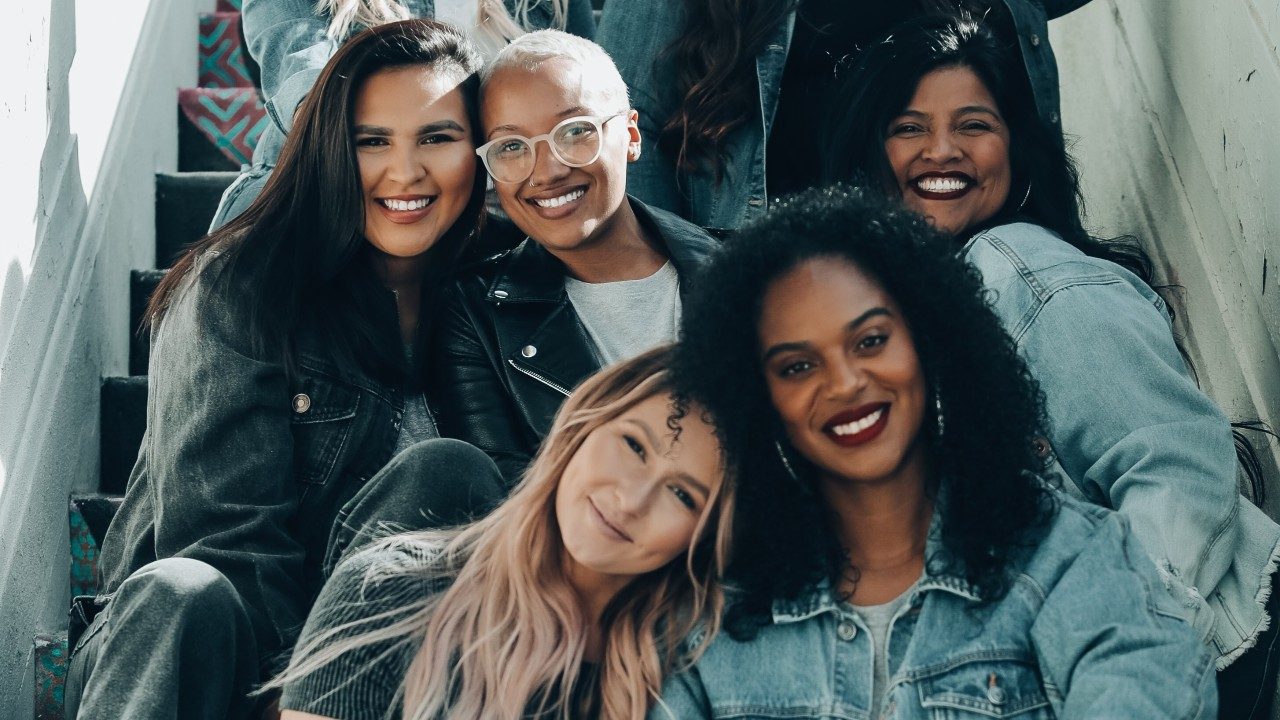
{"type": "Point", "coordinates": [444, 454]}
{"type": "Point", "coordinates": [182, 584]}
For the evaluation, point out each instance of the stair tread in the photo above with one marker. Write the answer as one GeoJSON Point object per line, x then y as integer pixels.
{"type": "Point", "coordinates": [124, 420]}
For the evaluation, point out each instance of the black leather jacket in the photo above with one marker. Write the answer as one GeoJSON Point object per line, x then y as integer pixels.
{"type": "Point", "coordinates": [509, 346]}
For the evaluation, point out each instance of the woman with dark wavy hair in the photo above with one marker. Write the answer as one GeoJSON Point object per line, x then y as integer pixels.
{"type": "Point", "coordinates": [946, 125]}
{"type": "Point", "coordinates": [727, 90]}
{"type": "Point", "coordinates": [897, 551]}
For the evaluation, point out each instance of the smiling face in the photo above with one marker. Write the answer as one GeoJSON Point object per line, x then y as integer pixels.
{"type": "Point", "coordinates": [949, 150]}
{"type": "Point", "coordinates": [416, 157]}
{"type": "Point", "coordinates": [843, 373]}
{"type": "Point", "coordinates": [632, 495]}
{"type": "Point", "coordinates": [563, 208]}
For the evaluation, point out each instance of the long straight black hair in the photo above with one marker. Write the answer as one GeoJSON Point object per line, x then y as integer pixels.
{"type": "Point", "coordinates": [298, 254]}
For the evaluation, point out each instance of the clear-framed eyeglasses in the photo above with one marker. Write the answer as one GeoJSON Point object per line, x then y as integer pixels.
{"type": "Point", "coordinates": [575, 142]}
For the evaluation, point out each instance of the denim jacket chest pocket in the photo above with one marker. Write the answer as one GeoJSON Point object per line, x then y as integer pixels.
{"type": "Point", "coordinates": [323, 413]}
{"type": "Point", "coordinates": [998, 685]}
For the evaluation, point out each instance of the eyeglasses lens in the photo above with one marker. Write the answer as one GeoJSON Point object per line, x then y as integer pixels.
{"type": "Point", "coordinates": [575, 144]}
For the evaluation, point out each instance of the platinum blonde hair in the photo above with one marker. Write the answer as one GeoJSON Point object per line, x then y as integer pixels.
{"type": "Point", "coordinates": [509, 631]}
{"type": "Point", "coordinates": [347, 16]}
{"type": "Point", "coordinates": [529, 51]}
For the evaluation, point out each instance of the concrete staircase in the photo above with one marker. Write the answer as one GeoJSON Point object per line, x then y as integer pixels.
{"type": "Point", "coordinates": [218, 123]}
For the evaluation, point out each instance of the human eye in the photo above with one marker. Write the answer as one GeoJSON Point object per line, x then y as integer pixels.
{"type": "Point", "coordinates": [872, 341]}
{"type": "Point", "coordinates": [437, 139]}
{"type": "Point", "coordinates": [906, 128]}
{"type": "Point", "coordinates": [975, 126]}
{"type": "Point", "coordinates": [794, 368]}
{"type": "Point", "coordinates": [635, 446]}
{"type": "Point", "coordinates": [683, 496]}
{"type": "Point", "coordinates": [511, 147]}
{"type": "Point", "coordinates": [371, 141]}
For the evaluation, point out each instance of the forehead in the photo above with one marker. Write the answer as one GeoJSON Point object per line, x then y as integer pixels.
{"type": "Point", "coordinates": [410, 92]}
{"type": "Point", "coordinates": [518, 95]}
{"type": "Point", "coordinates": [697, 448]}
{"type": "Point", "coordinates": [951, 87]}
{"type": "Point", "coordinates": [818, 296]}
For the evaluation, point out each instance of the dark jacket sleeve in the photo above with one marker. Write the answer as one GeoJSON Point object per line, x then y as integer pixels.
{"type": "Point", "coordinates": [467, 388]}
{"type": "Point", "coordinates": [220, 457]}
{"type": "Point", "coordinates": [581, 19]}
{"type": "Point", "coordinates": [1058, 8]}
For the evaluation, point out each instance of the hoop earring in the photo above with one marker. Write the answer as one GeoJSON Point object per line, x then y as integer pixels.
{"type": "Point", "coordinates": [939, 418]}
{"type": "Point", "coordinates": [1025, 198]}
{"type": "Point", "coordinates": [786, 461]}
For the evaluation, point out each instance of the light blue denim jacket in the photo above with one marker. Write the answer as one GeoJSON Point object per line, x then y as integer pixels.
{"type": "Point", "coordinates": [1085, 631]}
{"type": "Point", "coordinates": [636, 32]}
{"type": "Point", "coordinates": [1130, 428]}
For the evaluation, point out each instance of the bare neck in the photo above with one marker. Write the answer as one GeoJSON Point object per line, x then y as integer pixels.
{"type": "Point", "coordinates": [622, 251]}
{"type": "Point", "coordinates": [884, 526]}
{"type": "Point", "coordinates": [595, 591]}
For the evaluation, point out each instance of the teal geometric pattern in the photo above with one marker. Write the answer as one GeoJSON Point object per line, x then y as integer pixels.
{"type": "Point", "coordinates": [51, 675]}
{"type": "Point", "coordinates": [84, 555]}
{"type": "Point", "coordinates": [221, 54]}
{"type": "Point", "coordinates": [231, 118]}
{"type": "Point", "coordinates": [229, 5]}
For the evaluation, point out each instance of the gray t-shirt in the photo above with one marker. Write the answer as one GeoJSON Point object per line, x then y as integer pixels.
{"type": "Point", "coordinates": [878, 618]}
{"type": "Point", "coordinates": [627, 317]}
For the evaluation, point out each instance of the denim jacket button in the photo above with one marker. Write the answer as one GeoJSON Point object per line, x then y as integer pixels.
{"type": "Point", "coordinates": [528, 351]}
{"type": "Point", "coordinates": [755, 201]}
{"type": "Point", "coordinates": [301, 403]}
{"type": "Point", "coordinates": [846, 631]}
{"type": "Point", "coordinates": [995, 695]}
{"type": "Point", "coordinates": [1035, 40]}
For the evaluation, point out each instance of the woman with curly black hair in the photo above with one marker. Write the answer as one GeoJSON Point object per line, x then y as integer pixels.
{"type": "Point", "coordinates": [897, 550]}
{"type": "Point", "coordinates": [946, 124]}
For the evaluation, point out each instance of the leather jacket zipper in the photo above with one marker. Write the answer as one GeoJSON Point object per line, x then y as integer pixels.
{"type": "Point", "coordinates": [539, 378]}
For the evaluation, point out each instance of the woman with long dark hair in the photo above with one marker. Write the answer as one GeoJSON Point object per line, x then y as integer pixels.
{"type": "Point", "coordinates": [899, 551]}
{"type": "Point", "coordinates": [946, 124]}
{"type": "Point", "coordinates": [728, 90]}
{"type": "Point", "coordinates": [284, 374]}
{"type": "Point", "coordinates": [568, 601]}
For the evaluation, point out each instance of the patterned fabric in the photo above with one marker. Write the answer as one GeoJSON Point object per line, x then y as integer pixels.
{"type": "Point", "coordinates": [231, 118]}
{"type": "Point", "coordinates": [88, 517]}
{"type": "Point", "coordinates": [229, 5]}
{"type": "Point", "coordinates": [222, 58]}
{"type": "Point", "coordinates": [51, 675]}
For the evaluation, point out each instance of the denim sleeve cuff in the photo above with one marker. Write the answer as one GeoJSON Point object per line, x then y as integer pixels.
{"type": "Point", "coordinates": [282, 105]}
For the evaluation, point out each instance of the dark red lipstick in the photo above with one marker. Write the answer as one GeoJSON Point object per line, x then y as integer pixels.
{"type": "Point", "coordinates": [851, 428]}
{"type": "Point", "coordinates": [969, 184]}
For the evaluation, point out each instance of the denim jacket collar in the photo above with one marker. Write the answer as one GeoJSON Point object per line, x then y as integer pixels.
{"type": "Point", "coordinates": [530, 274]}
{"type": "Point", "coordinates": [821, 598]}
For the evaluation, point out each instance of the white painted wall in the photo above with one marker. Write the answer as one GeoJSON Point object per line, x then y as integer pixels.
{"type": "Point", "coordinates": [89, 105]}
{"type": "Point", "coordinates": [1175, 106]}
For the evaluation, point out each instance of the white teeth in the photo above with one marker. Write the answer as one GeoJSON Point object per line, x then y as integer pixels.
{"type": "Point", "coordinates": [858, 426]}
{"type": "Point", "coordinates": [558, 201]}
{"type": "Point", "coordinates": [402, 205]}
{"type": "Point", "coordinates": [942, 184]}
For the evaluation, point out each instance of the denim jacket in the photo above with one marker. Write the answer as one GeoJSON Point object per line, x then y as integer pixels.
{"type": "Point", "coordinates": [637, 33]}
{"type": "Point", "coordinates": [1129, 426]}
{"type": "Point", "coordinates": [1084, 631]}
{"type": "Point", "coordinates": [243, 466]}
{"type": "Point", "coordinates": [288, 40]}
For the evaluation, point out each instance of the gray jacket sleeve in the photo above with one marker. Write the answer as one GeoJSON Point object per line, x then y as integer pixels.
{"type": "Point", "coordinates": [220, 457]}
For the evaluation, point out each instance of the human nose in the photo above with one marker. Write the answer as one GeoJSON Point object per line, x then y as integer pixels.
{"type": "Point", "coordinates": [406, 166]}
{"type": "Point", "coordinates": [941, 147]}
{"type": "Point", "coordinates": [547, 168]}
{"type": "Point", "coordinates": [844, 379]}
{"type": "Point", "coordinates": [631, 493]}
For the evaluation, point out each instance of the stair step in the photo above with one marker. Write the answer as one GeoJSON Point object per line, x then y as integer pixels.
{"type": "Point", "coordinates": [223, 61]}
{"type": "Point", "coordinates": [52, 659]}
{"type": "Point", "coordinates": [185, 203]}
{"type": "Point", "coordinates": [89, 516]}
{"type": "Point", "coordinates": [124, 419]}
{"type": "Point", "coordinates": [218, 127]}
{"type": "Point", "coordinates": [142, 283]}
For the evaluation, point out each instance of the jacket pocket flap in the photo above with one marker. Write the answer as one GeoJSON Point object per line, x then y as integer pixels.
{"type": "Point", "coordinates": [989, 688]}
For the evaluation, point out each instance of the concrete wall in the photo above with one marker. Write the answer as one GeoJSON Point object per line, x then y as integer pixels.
{"type": "Point", "coordinates": [1175, 108]}
{"type": "Point", "coordinates": [89, 107]}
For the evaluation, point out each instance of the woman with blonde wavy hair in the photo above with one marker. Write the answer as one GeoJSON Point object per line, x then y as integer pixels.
{"type": "Point", "coordinates": [572, 599]}
{"type": "Point", "coordinates": [291, 40]}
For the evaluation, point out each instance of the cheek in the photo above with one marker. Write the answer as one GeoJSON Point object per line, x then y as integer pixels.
{"type": "Point", "coordinates": [790, 400]}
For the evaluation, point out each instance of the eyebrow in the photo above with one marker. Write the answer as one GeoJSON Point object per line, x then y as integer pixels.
{"type": "Point", "coordinates": [850, 326]}
{"type": "Point", "coordinates": [424, 130]}
{"type": "Point", "coordinates": [959, 111]}
{"type": "Point", "coordinates": [511, 128]}
{"type": "Point", "coordinates": [680, 474]}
